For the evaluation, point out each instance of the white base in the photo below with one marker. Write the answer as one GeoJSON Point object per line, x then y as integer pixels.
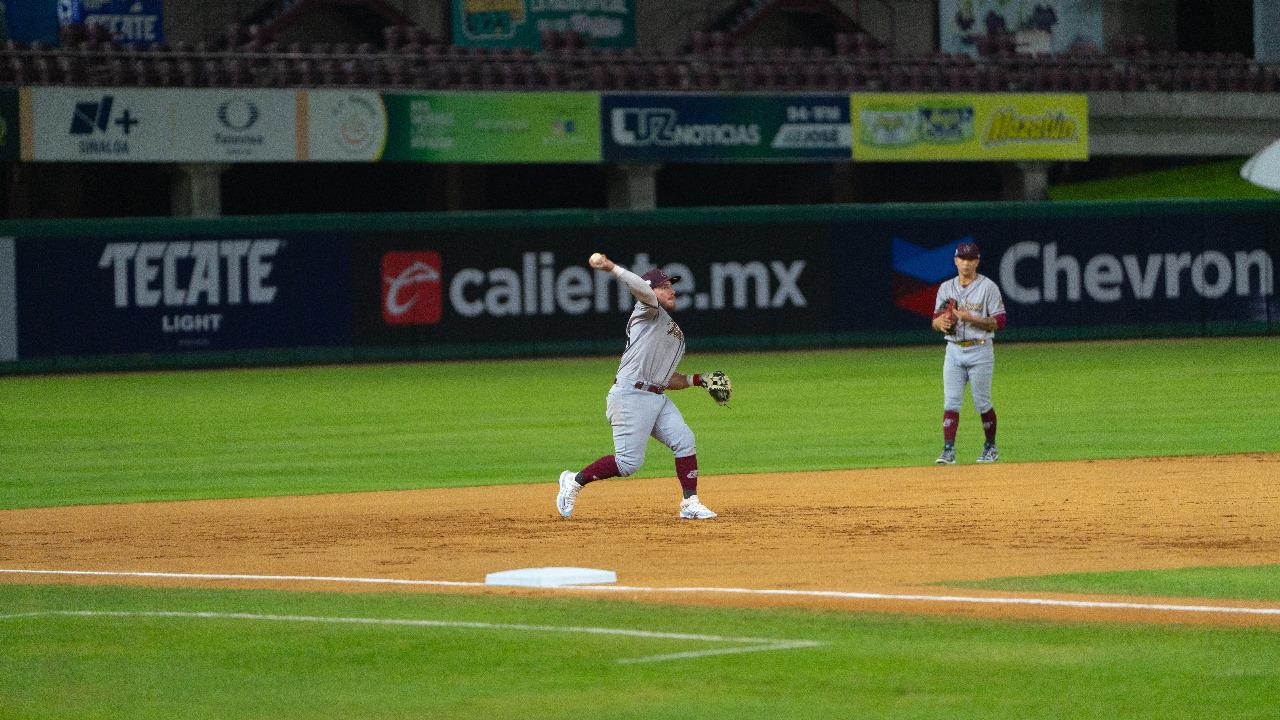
{"type": "Point", "coordinates": [551, 577]}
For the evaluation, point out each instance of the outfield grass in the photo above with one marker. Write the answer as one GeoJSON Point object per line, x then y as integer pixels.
{"type": "Point", "coordinates": [1218, 180]}
{"type": "Point", "coordinates": [123, 437]}
{"type": "Point", "coordinates": [1261, 582]}
{"type": "Point", "coordinates": [879, 666]}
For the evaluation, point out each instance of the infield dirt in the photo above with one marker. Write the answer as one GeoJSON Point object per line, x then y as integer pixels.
{"type": "Point", "coordinates": [888, 531]}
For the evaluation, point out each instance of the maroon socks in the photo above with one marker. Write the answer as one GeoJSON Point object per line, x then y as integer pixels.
{"type": "Point", "coordinates": [950, 423]}
{"type": "Point", "coordinates": [605, 467]}
{"type": "Point", "coordinates": [989, 425]}
{"type": "Point", "coordinates": [687, 473]}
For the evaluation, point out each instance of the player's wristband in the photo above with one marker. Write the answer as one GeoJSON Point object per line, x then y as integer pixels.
{"type": "Point", "coordinates": [695, 379]}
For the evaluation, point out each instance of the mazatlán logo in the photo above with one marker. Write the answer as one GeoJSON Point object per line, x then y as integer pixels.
{"type": "Point", "coordinates": [918, 272]}
{"type": "Point", "coordinates": [1008, 126]}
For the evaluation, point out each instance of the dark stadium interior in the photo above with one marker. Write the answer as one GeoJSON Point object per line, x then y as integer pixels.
{"type": "Point", "coordinates": [1197, 49]}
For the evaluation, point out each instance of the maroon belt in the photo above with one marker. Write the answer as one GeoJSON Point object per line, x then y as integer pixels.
{"type": "Point", "coordinates": [655, 389]}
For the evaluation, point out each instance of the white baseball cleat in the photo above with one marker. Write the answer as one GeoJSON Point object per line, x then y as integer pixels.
{"type": "Point", "coordinates": [568, 494]}
{"type": "Point", "coordinates": [989, 453]}
{"type": "Point", "coordinates": [691, 508]}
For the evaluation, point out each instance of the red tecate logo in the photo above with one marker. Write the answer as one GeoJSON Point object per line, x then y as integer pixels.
{"type": "Point", "coordinates": [411, 288]}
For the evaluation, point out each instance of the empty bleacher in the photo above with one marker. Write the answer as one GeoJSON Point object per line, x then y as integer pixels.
{"type": "Point", "coordinates": [407, 57]}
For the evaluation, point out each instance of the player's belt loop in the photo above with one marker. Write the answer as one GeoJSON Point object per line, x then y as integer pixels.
{"type": "Point", "coordinates": [970, 343]}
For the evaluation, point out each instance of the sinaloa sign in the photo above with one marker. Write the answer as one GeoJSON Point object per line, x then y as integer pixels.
{"type": "Point", "coordinates": [162, 125]}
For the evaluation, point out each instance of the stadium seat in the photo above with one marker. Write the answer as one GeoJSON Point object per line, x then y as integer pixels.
{"type": "Point", "coordinates": [188, 72]}
{"type": "Point", "coordinates": [121, 73]}
{"type": "Point", "coordinates": [699, 43]}
{"type": "Point", "coordinates": [75, 71]}
{"type": "Point", "coordinates": [236, 72]}
{"type": "Point", "coordinates": [598, 78]}
{"type": "Point", "coordinates": [45, 71]}
{"type": "Point", "coordinates": [393, 37]}
{"type": "Point", "coordinates": [551, 41]}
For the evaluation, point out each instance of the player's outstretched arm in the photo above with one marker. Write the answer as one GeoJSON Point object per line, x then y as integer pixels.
{"type": "Point", "coordinates": [636, 284]}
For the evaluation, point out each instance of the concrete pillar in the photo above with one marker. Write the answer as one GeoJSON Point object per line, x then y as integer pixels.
{"type": "Point", "coordinates": [848, 181]}
{"type": "Point", "coordinates": [465, 187]}
{"type": "Point", "coordinates": [1025, 180]}
{"type": "Point", "coordinates": [633, 185]}
{"type": "Point", "coordinates": [19, 189]}
{"type": "Point", "coordinates": [196, 190]}
{"type": "Point", "coordinates": [1266, 30]}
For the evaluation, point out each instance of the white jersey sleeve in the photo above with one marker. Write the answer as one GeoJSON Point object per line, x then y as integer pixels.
{"type": "Point", "coordinates": [637, 285]}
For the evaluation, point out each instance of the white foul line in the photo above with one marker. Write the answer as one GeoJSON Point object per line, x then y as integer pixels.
{"type": "Point", "coordinates": [756, 644]}
{"type": "Point", "coordinates": [837, 594]}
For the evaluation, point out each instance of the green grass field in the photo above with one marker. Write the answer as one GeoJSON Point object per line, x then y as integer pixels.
{"type": "Point", "coordinates": [881, 666]}
{"type": "Point", "coordinates": [95, 438]}
{"type": "Point", "coordinates": [103, 652]}
{"type": "Point", "coordinates": [1237, 583]}
{"type": "Point", "coordinates": [1212, 180]}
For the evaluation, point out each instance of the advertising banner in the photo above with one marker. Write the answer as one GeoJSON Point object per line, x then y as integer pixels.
{"type": "Point", "coordinates": [104, 124]}
{"type": "Point", "coordinates": [719, 128]}
{"type": "Point", "coordinates": [8, 303]}
{"type": "Point", "coordinates": [163, 125]}
{"type": "Point", "coordinates": [972, 127]}
{"type": "Point", "coordinates": [1050, 26]}
{"type": "Point", "coordinates": [130, 22]}
{"type": "Point", "coordinates": [519, 23]}
{"type": "Point", "coordinates": [91, 296]}
{"type": "Point", "coordinates": [493, 127]}
{"type": "Point", "coordinates": [533, 284]}
{"type": "Point", "coordinates": [343, 125]}
{"type": "Point", "coordinates": [1064, 272]}
{"type": "Point", "coordinates": [237, 125]}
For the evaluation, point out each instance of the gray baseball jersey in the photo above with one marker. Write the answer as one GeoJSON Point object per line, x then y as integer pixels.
{"type": "Point", "coordinates": [980, 297]}
{"type": "Point", "coordinates": [655, 343]}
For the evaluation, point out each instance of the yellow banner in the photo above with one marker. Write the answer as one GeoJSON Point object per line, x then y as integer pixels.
{"type": "Point", "coordinates": [987, 126]}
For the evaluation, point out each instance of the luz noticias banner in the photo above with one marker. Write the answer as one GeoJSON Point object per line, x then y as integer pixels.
{"type": "Point", "coordinates": [971, 127]}
{"type": "Point", "coordinates": [725, 127]}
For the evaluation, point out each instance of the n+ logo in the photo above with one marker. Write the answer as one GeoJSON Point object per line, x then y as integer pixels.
{"type": "Point", "coordinates": [126, 121]}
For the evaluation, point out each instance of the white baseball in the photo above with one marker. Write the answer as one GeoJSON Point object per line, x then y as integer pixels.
{"type": "Point", "coordinates": [596, 259]}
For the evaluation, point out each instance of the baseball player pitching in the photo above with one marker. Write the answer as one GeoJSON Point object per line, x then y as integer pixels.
{"type": "Point", "coordinates": [637, 405]}
{"type": "Point", "coordinates": [968, 311]}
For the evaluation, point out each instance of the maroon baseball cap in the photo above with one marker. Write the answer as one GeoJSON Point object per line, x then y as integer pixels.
{"type": "Point", "coordinates": [656, 277]}
{"type": "Point", "coordinates": [968, 250]}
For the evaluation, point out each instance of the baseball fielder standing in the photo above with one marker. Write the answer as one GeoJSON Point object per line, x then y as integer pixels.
{"type": "Point", "coordinates": [968, 311]}
{"type": "Point", "coordinates": [637, 405]}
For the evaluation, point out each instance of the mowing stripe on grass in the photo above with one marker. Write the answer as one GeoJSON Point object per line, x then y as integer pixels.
{"type": "Point", "coordinates": [755, 644]}
{"type": "Point", "coordinates": [1055, 602]}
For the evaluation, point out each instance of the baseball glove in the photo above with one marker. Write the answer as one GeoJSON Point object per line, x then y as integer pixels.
{"type": "Point", "coordinates": [719, 387]}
